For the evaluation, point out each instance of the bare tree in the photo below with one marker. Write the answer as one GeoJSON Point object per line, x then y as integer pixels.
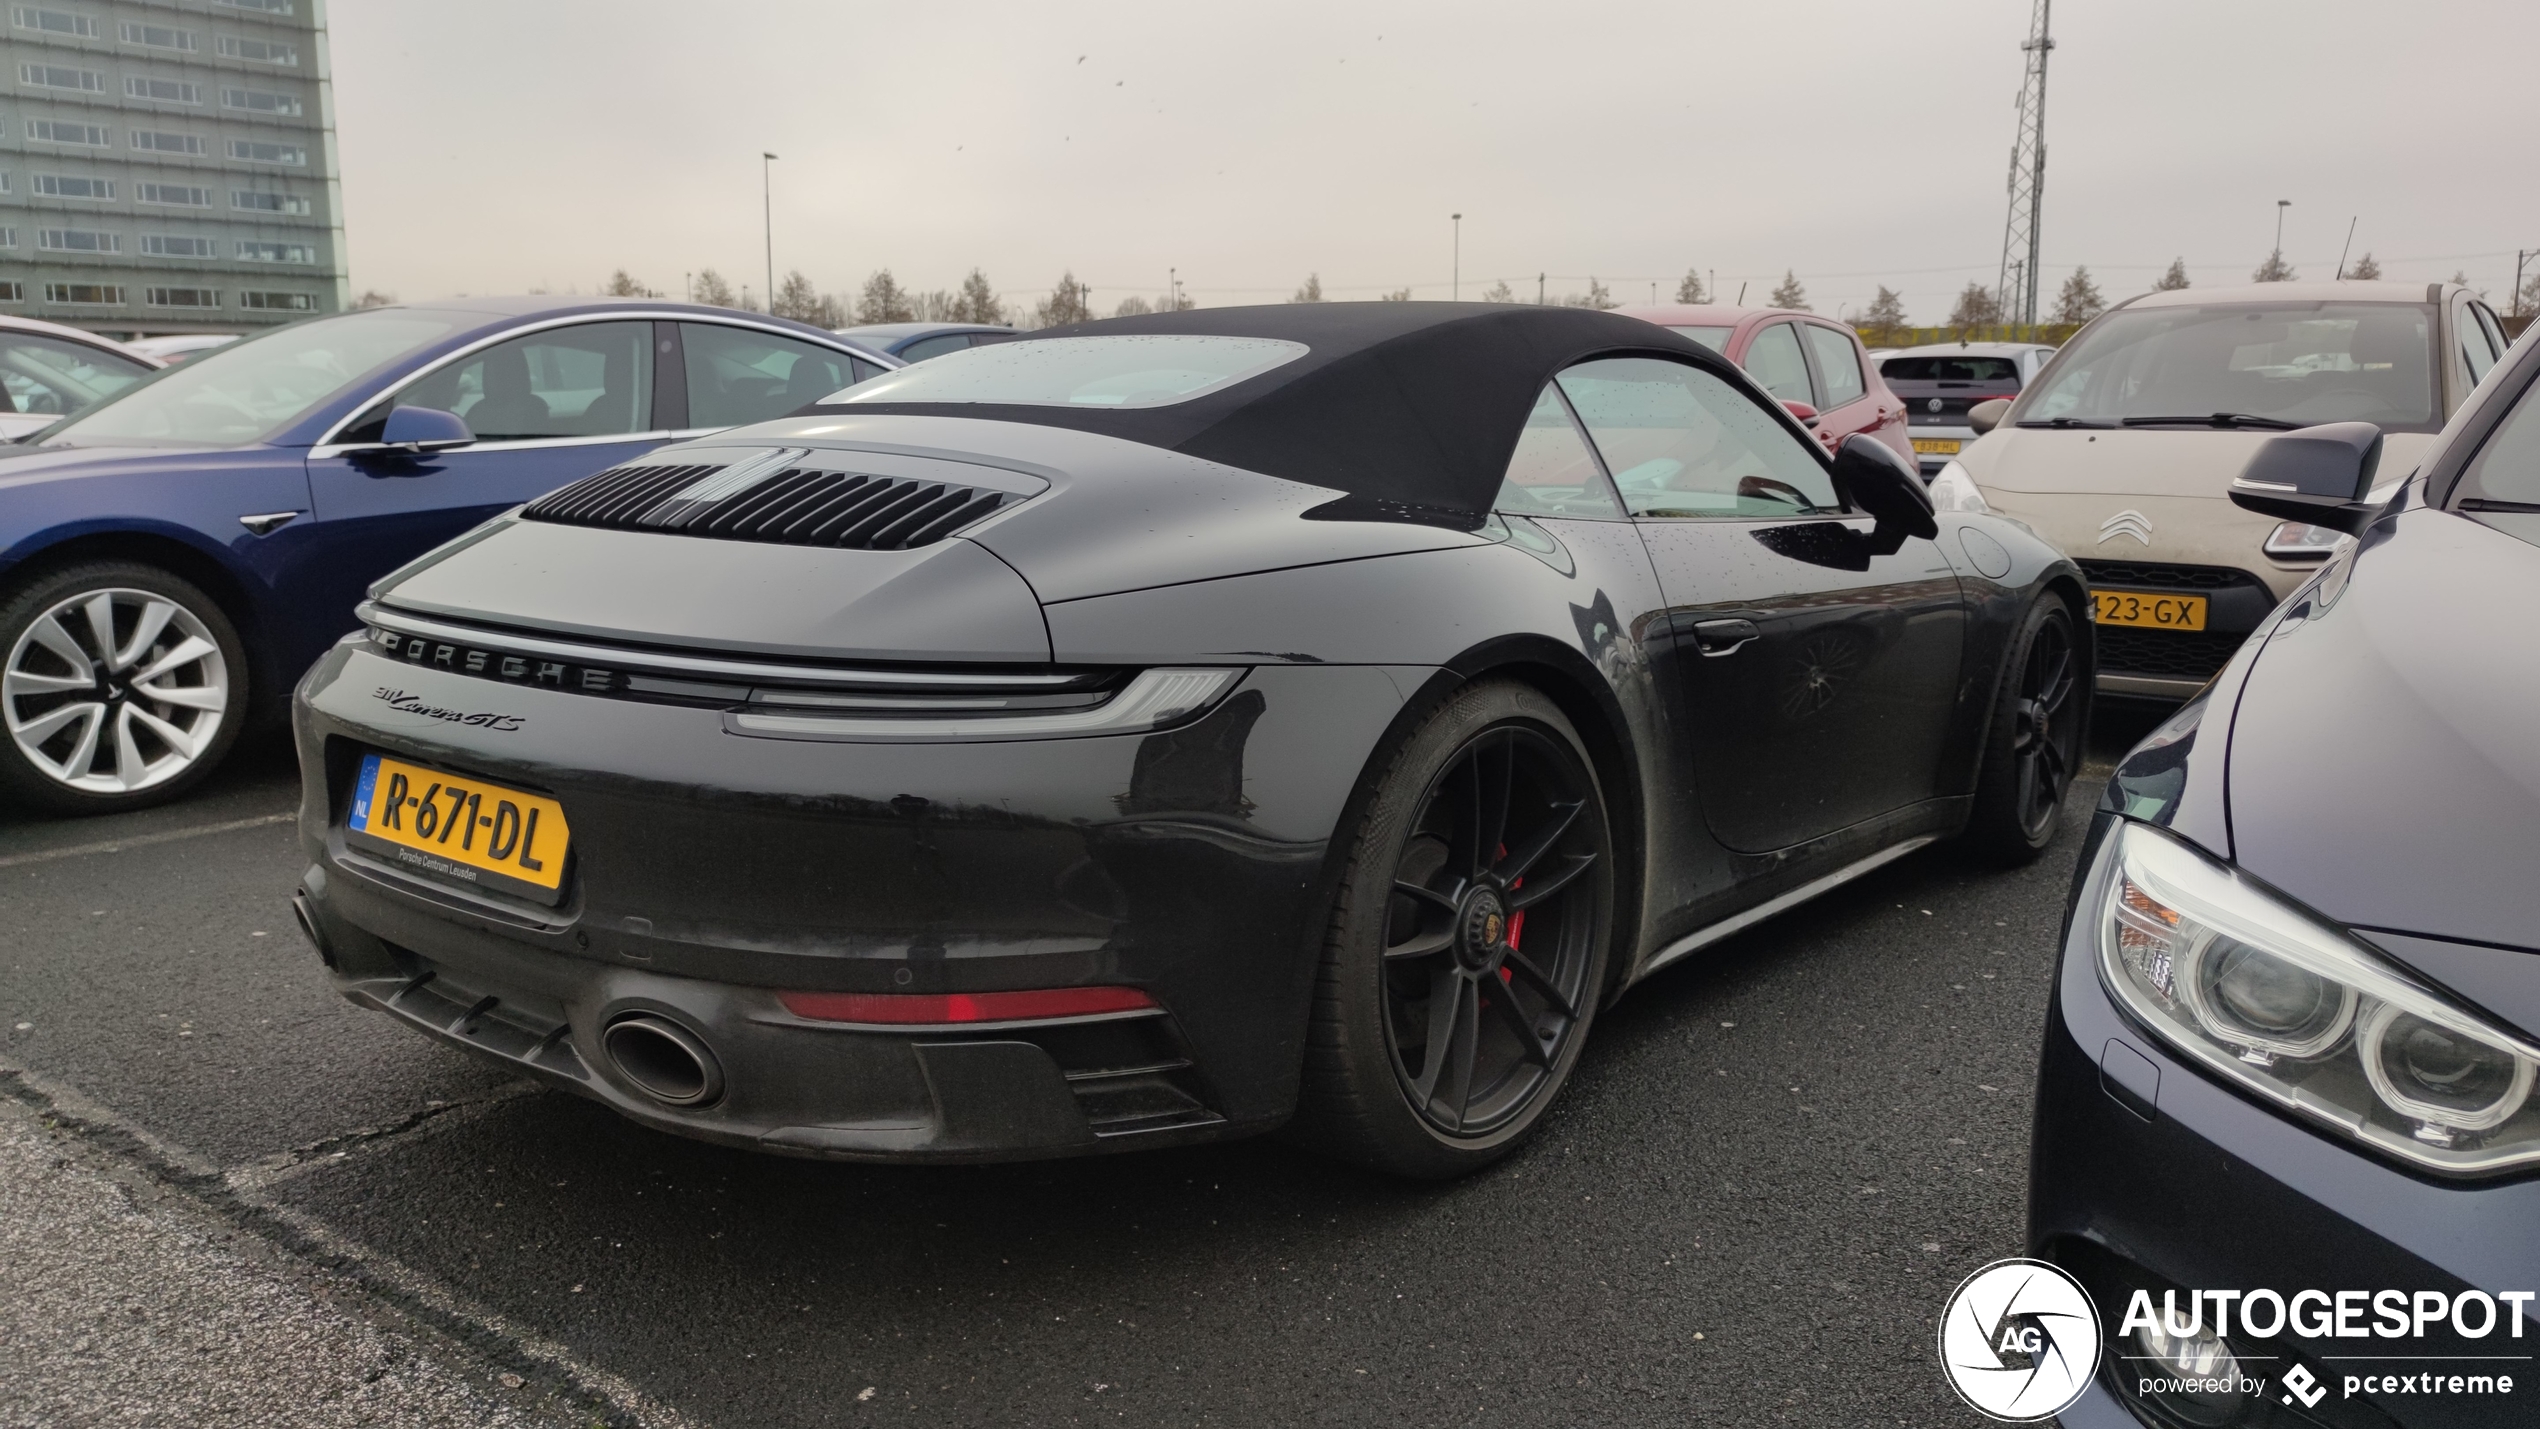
{"type": "Point", "coordinates": [1691, 289]}
{"type": "Point", "coordinates": [712, 291]}
{"type": "Point", "coordinates": [622, 284]}
{"type": "Point", "coordinates": [2173, 280]}
{"type": "Point", "coordinates": [1065, 304]}
{"type": "Point", "coordinates": [2461, 276]}
{"type": "Point", "coordinates": [2367, 269]}
{"type": "Point", "coordinates": [1398, 295]}
{"type": "Point", "coordinates": [2274, 270]}
{"type": "Point", "coordinates": [2080, 300]}
{"type": "Point", "coordinates": [977, 301]}
{"type": "Point", "coordinates": [796, 298]}
{"type": "Point", "coordinates": [1500, 292]}
{"type": "Point", "coordinates": [1311, 291]}
{"type": "Point", "coordinates": [2527, 301]}
{"type": "Point", "coordinates": [884, 301]}
{"type": "Point", "coordinates": [373, 298]}
{"type": "Point", "coordinates": [1790, 294]}
{"type": "Point", "coordinates": [1885, 314]}
{"type": "Point", "coordinates": [1132, 306]}
{"type": "Point", "coordinates": [1977, 307]}
{"type": "Point", "coordinates": [1181, 303]}
{"type": "Point", "coordinates": [1596, 296]}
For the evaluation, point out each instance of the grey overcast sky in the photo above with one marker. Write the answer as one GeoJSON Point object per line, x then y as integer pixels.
{"type": "Point", "coordinates": [506, 145]}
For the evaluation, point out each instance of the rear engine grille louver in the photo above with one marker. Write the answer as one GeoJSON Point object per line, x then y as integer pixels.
{"type": "Point", "coordinates": [799, 506]}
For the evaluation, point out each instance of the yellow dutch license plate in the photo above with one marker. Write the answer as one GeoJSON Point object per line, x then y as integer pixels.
{"type": "Point", "coordinates": [2150, 610]}
{"type": "Point", "coordinates": [457, 827]}
{"type": "Point", "coordinates": [1936, 446]}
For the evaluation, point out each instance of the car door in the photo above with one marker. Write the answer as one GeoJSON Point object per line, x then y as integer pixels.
{"type": "Point", "coordinates": [547, 407]}
{"type": "Point", "coordinates": [739, 375]}
{"type": "Point", "coordinates": [1810, 680]}
{"type": "Point", "coordinates": [1844, 405]}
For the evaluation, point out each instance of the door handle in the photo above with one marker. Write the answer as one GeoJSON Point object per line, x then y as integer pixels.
{"type": "Point", "coordinates": [1724, 637]}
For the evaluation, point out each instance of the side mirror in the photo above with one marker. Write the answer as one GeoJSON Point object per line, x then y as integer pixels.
{"type": "Point", "coordinates": [1889, 488]}
{"type": "Point", "coordinates": [416, 430]}
{"type": "Point", "coordinates": [1986, 415]}
{"type": "Point", "coordinates": [2318, 476]}
{"type": "Point", "coordinates": [1802, 411]}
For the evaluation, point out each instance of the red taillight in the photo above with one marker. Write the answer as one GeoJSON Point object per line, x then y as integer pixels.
{"type": "Point", "coordinates": [924, 1008]}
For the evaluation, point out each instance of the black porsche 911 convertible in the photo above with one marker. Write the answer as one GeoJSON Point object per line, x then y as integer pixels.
{"type": "Point", "coordinates": [1166, 729]}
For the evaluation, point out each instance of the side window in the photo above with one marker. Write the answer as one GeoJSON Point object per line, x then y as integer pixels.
{"type": "Point", "coordinates": [738, 375]}
{"type": "Point", "coordinates": [2495, 329]}
{"type": "Point", "coordinates": [936, 346]}
{"type": "Point", "coordinates": [1774, 362]}
{"type": "Point", "coordinates": [1681, 442]}
{"type": "Point", "coordinates": [55, 379]}
{"type": "Point", "coordinates": [1552, 472]}
{"type": "Point", "coordinates": [863, 371]}
{"type": "Point", "coordinates": [1838, 365]}
{"type": "Point", "coordinates": [2473, 340]}
{"type": "Point", "coordinates": [594, 380]}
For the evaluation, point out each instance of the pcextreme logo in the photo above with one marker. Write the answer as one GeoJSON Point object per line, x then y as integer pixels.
{"type": "Point", "coordinates": [2019, 1341]}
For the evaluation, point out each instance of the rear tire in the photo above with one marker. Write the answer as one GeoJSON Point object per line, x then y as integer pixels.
{"type": "Point", "coordinates": [2033, 746]}
{"type": "Point", "coordinates": [121, 686]}
{"type": "Point", "coordinates": [1468, 942]}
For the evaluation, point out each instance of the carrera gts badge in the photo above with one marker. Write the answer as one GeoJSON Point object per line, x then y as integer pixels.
{"type": "Point", "coordinates": [405, 703]}
{"type": "Point", "coordinates": [2126, 523]}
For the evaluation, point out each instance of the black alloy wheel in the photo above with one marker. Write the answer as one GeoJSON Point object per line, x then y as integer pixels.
{"type": "Point", "coordinates": [1469, 951]}
{"type": "Point", "coordinates": [2035, 743]}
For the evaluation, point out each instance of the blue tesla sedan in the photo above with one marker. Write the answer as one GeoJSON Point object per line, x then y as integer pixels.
{"type": "Point", "coordinates": [173, 558]}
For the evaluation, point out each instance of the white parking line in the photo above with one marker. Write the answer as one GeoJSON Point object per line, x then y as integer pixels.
{"type": "Point", "coordinates": [138, 840]}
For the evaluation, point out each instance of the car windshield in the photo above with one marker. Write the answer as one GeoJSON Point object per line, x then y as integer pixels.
{"type": "Point", "coordinates": [1143, 371]}
{"type": "Point", "coordinates": [1949, 369]}
{"type": "Point", "coordinates": [2301, 363]}
{"type": "Point", "coordinates": [249, 389]}
{"type": "Point", "coordinates": [1714, 338]}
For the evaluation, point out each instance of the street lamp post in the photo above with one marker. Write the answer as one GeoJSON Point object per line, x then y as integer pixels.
{"type": "Point", "coordinates": [2280, 206]}
{"type": "Point", "coordinates": [1456, 268]}
{"type": "Point", "coordinates": [767, 223]}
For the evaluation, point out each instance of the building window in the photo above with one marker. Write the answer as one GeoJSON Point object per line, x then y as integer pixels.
{"type": "Point", "coordinates": [158, 37]}
{"type": "Point", "coordinates": [8, 238]}
{"type": "Point", "coordinates": [54, 22]}
{"type": "Point", "coordinates": [78, 240]}
{"type": "Point", "coordinates": [278, 302]}
{"type": "Point", "coordinates": [267, 203]}
{"type": "Point", "coordinates": [161, 142]}
{"type": "Point", "coordinates": [55, 131]}
{"type": "Point", "coordinates": [12, 292]}
{"type": "Point", "coordinates": [162, 91]}
{"type": "Point", "coordinates": [256, 152]}
{"type": "Point", "coordinates": [263, 52]}
{"type": "Point", "coordinates": [181, 297]}
{"type": "Point", "coordinates": [165, 245]}
{"type": "Point", "coordinates": [262, 7]}
{"type": "Point", "coordinates": [61, 77]}
{"type": "Point", "coordinates": [75, 186]}
{"type": "Point", "coordinates": [258, 252]}
{"type": "Point", "coordinates": [4, 181]}
{"type": "Point", "coordinates": [173, 195]}
{"type": "Point", "coordinates": [258, 101]}
{"type": "Point", "coordinates": [85, 295]}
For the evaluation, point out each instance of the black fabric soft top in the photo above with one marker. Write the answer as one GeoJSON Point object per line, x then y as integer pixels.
{"type": "Point", "coordinates": [1412, 409]}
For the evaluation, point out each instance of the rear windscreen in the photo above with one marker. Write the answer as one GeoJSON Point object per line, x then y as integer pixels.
{"type": "Point", "coordinates": [1949, 369]}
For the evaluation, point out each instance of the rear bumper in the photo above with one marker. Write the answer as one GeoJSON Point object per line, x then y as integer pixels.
{"type": "Point", "coordinates": [710, 872]}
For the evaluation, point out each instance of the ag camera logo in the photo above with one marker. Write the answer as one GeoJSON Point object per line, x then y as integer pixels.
{"type": "Point", "coordinates": [2019, 1341]}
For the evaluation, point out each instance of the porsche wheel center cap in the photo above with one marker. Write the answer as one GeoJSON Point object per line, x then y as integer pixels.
{"type": "Point", "coordinates": [1484, 928]}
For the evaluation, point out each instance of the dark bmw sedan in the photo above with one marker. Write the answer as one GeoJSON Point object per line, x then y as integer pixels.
{"type": "Point", "coordinates": [173, 558]}
{"type": "Point", "coordinates": [2286, 1131]}
{"type": "Point", "coordinates": [1163, 729]}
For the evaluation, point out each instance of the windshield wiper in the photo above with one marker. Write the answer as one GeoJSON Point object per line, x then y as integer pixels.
{"type": "Point", "coordinates": [2091, 422]}
{"type": "Point", "coordinates": [2216, 419]}
{"type": "Point", "coordinates": [2482, 503]}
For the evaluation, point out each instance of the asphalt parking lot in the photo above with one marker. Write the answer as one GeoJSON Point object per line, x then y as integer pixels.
{"type": "Point", "coordinates": [1772, 1168]}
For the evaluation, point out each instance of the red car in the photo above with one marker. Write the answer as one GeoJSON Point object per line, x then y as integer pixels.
{"type": "Point", "coordinates": [1814, 365]}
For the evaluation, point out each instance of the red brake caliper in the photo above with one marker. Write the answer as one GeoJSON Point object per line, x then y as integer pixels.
{"type": "Point", "coordinates": [1516, 921]}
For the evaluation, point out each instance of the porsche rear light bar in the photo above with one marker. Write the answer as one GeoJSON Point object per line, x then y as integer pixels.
{"type": "Point", "coordinates": [921, 1009]}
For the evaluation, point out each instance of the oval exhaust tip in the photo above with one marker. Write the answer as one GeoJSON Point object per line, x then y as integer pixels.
{"type": "Point", "coordinates": [309, 928]}
{"type": "Point", "coordinates": [664, 1060]}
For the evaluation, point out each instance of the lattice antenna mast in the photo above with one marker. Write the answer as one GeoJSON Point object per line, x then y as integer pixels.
{"type": "Point", "coordinates": [2016, 289]}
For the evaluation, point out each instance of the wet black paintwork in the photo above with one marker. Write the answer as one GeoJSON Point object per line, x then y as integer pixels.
{"type": "Point", "coordinates": [711, 871]}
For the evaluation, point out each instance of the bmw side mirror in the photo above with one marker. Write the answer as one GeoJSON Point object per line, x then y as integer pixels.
{"type": "Point", "coordinates": [1986, 415]}
{"type": "Point", "coordinates": [2319, 476]}
{"type": "Point", "coordinates": [416, 430]}
{"type": "Point", "coordinates": [1889, 488]}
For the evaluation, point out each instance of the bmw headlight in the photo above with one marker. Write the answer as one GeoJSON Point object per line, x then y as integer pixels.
{"type": "Point", "coordinates": [2282, 1003]}
{"type": "Point", "coordinates": [1953, 490]}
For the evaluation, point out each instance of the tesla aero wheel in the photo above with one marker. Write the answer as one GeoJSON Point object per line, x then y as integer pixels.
{"type": "Point", "coordinates": [1468, 944]}
{"type": "Point", "coordinates": [121, 687]}
{"type": "Point", "coordinates": [2034, 745]}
